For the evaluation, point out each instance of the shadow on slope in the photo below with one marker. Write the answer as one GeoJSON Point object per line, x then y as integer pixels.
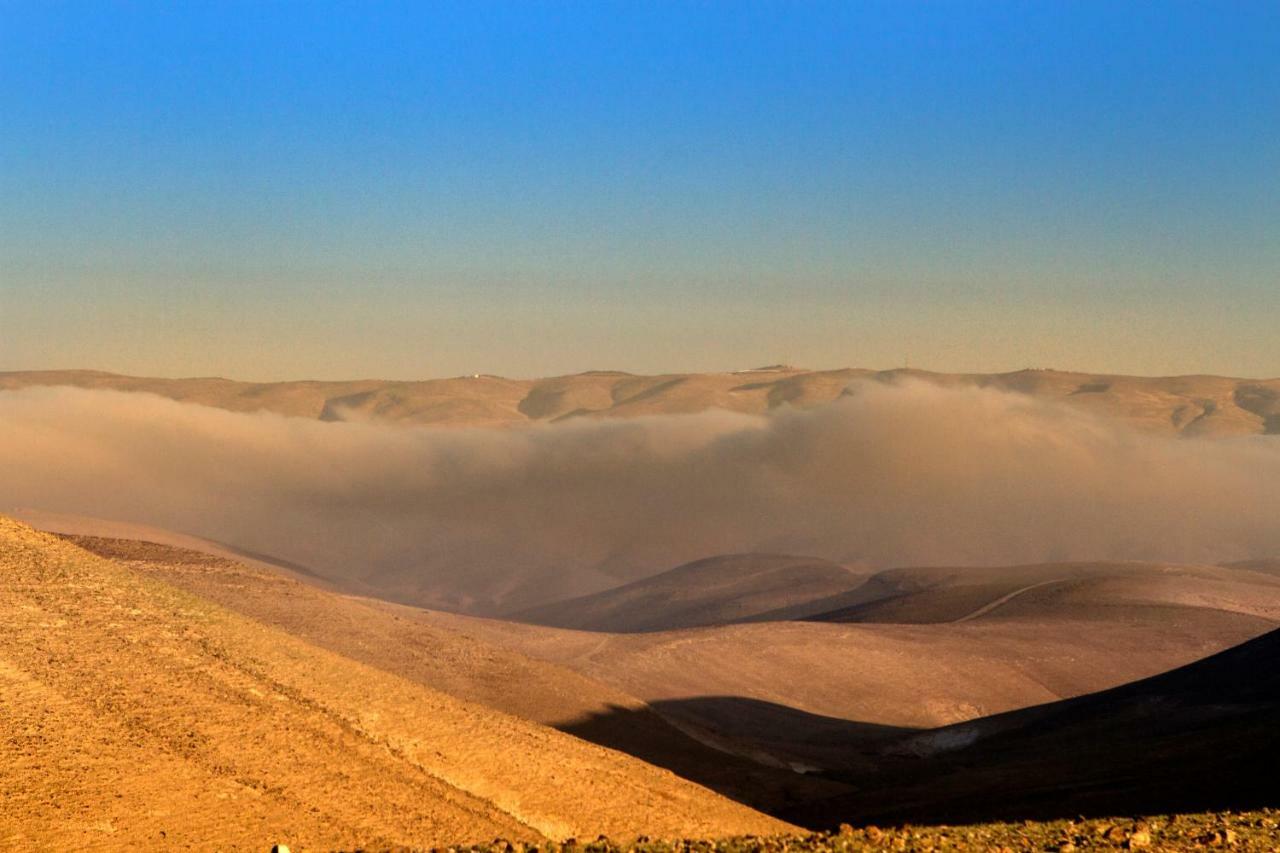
{"type": "Point", "coordinates": [766, 733]}
{"type": "Point", "coordinates": [395, 640]}
{"type": "Point", "coordinates": [770, 777]}
{"type": "Point", "coordinates": [1204, 737]}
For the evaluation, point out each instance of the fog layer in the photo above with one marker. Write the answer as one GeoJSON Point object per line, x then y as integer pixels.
{"type": "Point", "coordinates": [492, 520]}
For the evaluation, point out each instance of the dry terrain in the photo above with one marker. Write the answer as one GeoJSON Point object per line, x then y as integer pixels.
{"type": "Point", "coordinates": [1189, 405]}
{"type": "Point", "coordinates": [183, 693]}
{"type": "Point", "coordinates": [134, 713]}
{"type": "Point", "coordinates": [827, 691]}
{"type": "Point", "coordinates": [406, 642]}
{"type": "Point", "coordinates": [786, 693]}
{"type": "Point", "coordinates": [1251, 830]}
{"type": "Point", "coordinates": [1201, 737]}
{"type": "Point", "coordinates": [713, 591]}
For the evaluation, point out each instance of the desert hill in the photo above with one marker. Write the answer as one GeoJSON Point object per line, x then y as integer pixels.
{"type": "Point", "coordinates": [815, 693]}
{"type": "Point", "coordinates": [103, 528]}
{"type": "Point", "coordinates": [734, 707]}
{"type": "Point", "coordinates": [404, 641]}
{"type": "Point", "coordinates": [134, 713]}
{"type": "Point", "coordinates": [1190, 405]}
{"type": "Point", "coordinates": [1266, 566]}
{"type": "Point", "coordinates": [683, 698]}
{"type": "Point", "coordinates": [737, 687]}
{"type": "Point", "coordinates": [1202, 737]}
{"type": "Point", "coordinates": [712, 591]}
{"type": "Point", "coordinates": [940, 594]}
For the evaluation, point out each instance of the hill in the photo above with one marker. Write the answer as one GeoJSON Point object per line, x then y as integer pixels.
{"type": "Point", "coordinates": [405, 642]}
{"type": "Point", "coordinates": [137, 714]}
{"type": "Point", "coordinates": [1084, 590]}
{"type": "Point", "coordinates": [814, 694]}
{"type": "Point", "coordinates": [1189, 405]}
{"type": "Point", "coordinates": [1202, 737]}
{"type": "Point", "coordinates": [712, 591]}
{"type": "Point", "coordinates": [727, 706]}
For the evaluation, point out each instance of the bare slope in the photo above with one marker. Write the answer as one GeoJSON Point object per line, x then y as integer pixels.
{"type": "Point", "coordinates": [713, 591]}
{"type": "Point", "coordinates": [815, 693]}
{"type": "Point", "coordinates": [84, 525]}
{"type": "Point", "coordinates": [1205, 736]}
{"type": "Point", "coordinates": [134, 714]}
{"type": "Point", "coordinates": [1081, 590]}
{"type": "Point", "coordinates": [403, 641]}
{"type": "Point", "coordinates": [1191, 405]}
{"type": "Point", "coordinates": [822, 695]}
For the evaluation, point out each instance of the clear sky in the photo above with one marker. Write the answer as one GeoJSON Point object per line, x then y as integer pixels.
{"type": "Point", "coordinates": [279, 190]}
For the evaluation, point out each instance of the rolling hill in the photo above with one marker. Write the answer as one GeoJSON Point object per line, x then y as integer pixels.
{"type": "Point", "coordinates": [1188, 405]}
{"type": "Point", "coordinates": [712, 591]}
{"type": "Point", "coordinates": [817, 694]}
{"type": "Point", "coordinates": [1084, 590]}
{"type": "Point", "coordinates": [1203, 737]}
{"type": "Point", "coordinates": [134, 713]}
{"type": "Point", "coordinates": [404, 641]}
{"type": "Point", "coordinates": [727, 706]}
{"type": "Point", "coordinates": [736, 708]}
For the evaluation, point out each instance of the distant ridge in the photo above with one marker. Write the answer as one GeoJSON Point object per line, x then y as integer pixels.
{"type": "Point", "coordinates": [1189, 405]}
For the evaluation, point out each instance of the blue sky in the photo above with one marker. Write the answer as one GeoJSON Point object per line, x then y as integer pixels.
{"type": "Point", "coordinates": [271, 190]}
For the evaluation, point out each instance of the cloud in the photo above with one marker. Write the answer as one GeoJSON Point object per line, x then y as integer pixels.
{"type": "Point", "coordinates": [488, 519]}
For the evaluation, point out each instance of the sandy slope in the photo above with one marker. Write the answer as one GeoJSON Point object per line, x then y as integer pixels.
{"type": "Point", "coordinates": [134, 713]}
{"type": "Point", "coordinates": [1192, 405]}
{"type": "Point", "coordinates": [788, 692]}
{"type": "Point", "coordinates": [816, 693]}
{"type": "Point", "coordinates": [84, 525]}
{"type": "Point", "coordinates": [404, 641]}
{"type": "Point", "coordinates": [717, 590]}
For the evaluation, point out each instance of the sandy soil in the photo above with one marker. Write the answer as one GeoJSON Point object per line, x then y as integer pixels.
{"type": "Point", "coordinates": [134, 713]}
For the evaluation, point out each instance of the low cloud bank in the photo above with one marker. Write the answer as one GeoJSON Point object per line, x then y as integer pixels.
{"type": "Point", "coordinates": [498, 519]}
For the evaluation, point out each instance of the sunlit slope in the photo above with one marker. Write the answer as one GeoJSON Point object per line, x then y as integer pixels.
{"type": "Point", "coordinates": [1191, 405]}
{"type": "Point", "coordinates": [405, 642]}
{"type": "Point", "coordinates": [817, 692]}
{"type": "Point", "coordinates": [134, 714]}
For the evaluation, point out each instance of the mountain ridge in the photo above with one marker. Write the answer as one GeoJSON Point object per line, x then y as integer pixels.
{"type": "Point", "coordinates": [1189, 405]}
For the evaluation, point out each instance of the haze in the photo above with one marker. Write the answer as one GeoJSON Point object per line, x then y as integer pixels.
{"type": "Point", "coordinates": [490, 520]}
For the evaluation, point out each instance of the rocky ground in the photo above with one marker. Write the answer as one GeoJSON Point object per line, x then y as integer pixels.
{"type": "Point", "coordinates": [1243, 831]}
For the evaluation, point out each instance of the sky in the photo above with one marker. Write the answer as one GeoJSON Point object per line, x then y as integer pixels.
{"type": "Point", "coordinates": [273, 190]}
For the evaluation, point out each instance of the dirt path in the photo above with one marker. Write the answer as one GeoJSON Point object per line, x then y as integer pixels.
{"type": "Point", "coordinates": [1003, 600]}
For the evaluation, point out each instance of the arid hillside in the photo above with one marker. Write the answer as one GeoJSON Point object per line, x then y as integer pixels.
{"type": "Point", "coordinates": [1056, 590]}
{"type": "Point", "coordinates": [714, 591]}
{"type": "Point", "coordinates": [928, 647]}
{"type": "Point", "coordinates": [135, 714]}
{"type": "Point", "coordinates": [262, 668]}
{"type": "Point", "coordinates": [406, 642]}
{"type": "Point", "coordinates": [1191, 405]}
{"type": "Point", "coordinates": [1202, 737]}
{"type": "Point", "coordinates": [783, 693]}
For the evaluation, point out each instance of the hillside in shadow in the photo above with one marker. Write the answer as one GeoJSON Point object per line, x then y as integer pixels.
{"type": "Point", "coordinates": [1203, 737]}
